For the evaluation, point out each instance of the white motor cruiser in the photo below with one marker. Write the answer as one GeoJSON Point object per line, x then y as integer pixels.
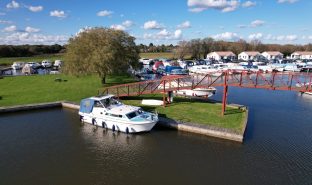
{"type": "Point", "coordinates": [107, 112]}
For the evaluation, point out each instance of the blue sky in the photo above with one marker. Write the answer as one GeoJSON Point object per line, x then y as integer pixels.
{"type": "Point", "coordinates": [158, 21]}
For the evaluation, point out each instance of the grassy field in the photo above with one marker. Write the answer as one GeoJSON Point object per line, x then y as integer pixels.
{"type": "Point", "coordinates": [194, 111]}
{"type": "Point", "coordinates": [158, 55]}
{"type": "Point", "coordinates": [43, 88]}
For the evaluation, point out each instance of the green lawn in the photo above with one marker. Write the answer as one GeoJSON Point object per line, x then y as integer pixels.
{"type": "Point", "coordinates": [43, 88]}
{"type": "Point", "coordinates": [194, 111]}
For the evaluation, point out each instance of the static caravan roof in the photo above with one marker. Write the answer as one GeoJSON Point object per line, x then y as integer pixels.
{"type": "Point", "coordinates": [274, 53]}
{"type": "Point", "coordinates": [302, 53]}
{"type": "Point", "coordinates": [251, 53]}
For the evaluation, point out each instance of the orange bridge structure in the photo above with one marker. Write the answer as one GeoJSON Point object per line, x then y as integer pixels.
{"type": "Point", "coordinates": [290, 81]}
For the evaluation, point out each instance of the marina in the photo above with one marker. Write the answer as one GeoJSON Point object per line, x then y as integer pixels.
{"type": "Point", "coordinates": [276, 150]}
{"type": "Point", "coordinates": [129, 92]}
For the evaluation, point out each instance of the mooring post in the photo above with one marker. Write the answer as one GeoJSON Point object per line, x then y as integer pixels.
{"type": "Point", "coordinates": [164, 93]}
{"type": "Point", "coordinates": [225, 91]}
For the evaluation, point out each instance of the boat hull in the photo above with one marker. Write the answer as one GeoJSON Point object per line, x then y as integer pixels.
{"type": "Point", "coordinates": [118, 125]}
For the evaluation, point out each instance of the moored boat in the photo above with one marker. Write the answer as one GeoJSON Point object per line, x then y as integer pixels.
{"type": "Point", "coordinates": [198, 92]}
{"type": "Point", "coordinates": [107, 112]}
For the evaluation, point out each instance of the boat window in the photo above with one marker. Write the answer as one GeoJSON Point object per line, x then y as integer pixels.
{"type": "Point", "coordinates": [97, 104]}
{"type": "Point", "coordinates": [113, 115]}
{"type": "Point", "coordinates": [131, 115]}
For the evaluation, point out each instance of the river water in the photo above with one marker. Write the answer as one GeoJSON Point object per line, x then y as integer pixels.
{"type": "Point", "coordinates": [52, 147]}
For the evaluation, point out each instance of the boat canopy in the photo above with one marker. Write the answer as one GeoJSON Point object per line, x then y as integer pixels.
{"type": "Point", "coordinates": [86, 105]}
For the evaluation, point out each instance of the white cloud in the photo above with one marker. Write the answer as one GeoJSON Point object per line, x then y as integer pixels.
{"type": "Point", "coordinates": [13, 4]}
{"type": "Point", "coordinates": [310, 37]}
{"type": "Point", "coordinates": [81, 30]}
{"type": "Point", "coordinates": [118, 27]}
{"type": "Point", "coordinates": [2, 13]}
{"type": "Point", "coordinates": [127, 23]}
{"type": "Point", "coordinates": [164, 35]}
{"type": "Point", "coordinates": [124, 26]}
{"type": "Point", "coordinates": [223, 5]}
{"type": "Point", "coordinates": [10, 28]}
{"type": "Point", "coordinates": [31, 30]}
{"type": "Point", "coordinates": [152, 25]}
{"type": "Point", "coordinates": [248, 4]}
{"type": "Point", "coordinates": [226, 36]}
{"type": "Point", "coordinates": [257, 23]}
{"type": "Point", "coordinates": [58, 13]}
{"type": "Point", "coordinates": [291, 37]}
{"type": "Point", "coordinates": [104, 13]}
{"type": "Point", "coordinates": [20, 38]}
{"type": "Point", "coordinates": [5, 22]}
{"type": "Point", "coordinates": [287, 1]}
{"type": "Point", "coordinates": [184, 25]}
{"type": "Point", "coordinates": [35, 8]}
{"type": "Point", "coordinates": [255, 36]}
{"type": "Point", "coordinates": [178, 34]}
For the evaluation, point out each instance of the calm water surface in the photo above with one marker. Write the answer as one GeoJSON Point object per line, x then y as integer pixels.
{"type": "Point", "coordinates": [52, 147]}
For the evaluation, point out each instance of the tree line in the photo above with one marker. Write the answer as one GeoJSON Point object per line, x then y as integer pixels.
{"type": "Point", "coordinates": [199, 48]}
{"type": "Point", "coordinates": [29, 50]}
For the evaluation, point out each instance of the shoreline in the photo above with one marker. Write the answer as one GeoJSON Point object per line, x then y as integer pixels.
{"type": "Point", "coordinates": [208, 130]}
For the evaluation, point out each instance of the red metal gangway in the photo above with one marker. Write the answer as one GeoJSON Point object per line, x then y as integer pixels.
{"type": "Point", "coordinates": [301, 82]}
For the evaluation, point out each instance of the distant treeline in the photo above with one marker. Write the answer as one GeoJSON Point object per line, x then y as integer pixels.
{"type": "Point", "coordinates": [29, 50]}
{"type": "Point", "coordinates": [199, 48]}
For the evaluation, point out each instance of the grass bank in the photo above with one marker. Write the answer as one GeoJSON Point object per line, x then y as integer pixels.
{"type": "Point", "coordinates": [194, 111]}
{"type": "Point", "coordinates": [21, 90]}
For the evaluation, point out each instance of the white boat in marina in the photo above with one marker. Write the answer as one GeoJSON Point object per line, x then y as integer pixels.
{"type": "Point", "coordinates": [203, 69]}
{"type": "Point", "coordinates": [107, 112]}
{"type": "Point", "coordinates": [291, 67]}
{"type": "Point", "coordinates": [18, 65]}
{"type": "Point", "coordinates": [198, 92]}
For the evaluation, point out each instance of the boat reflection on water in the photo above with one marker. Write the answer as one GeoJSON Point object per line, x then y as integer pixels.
{"type": "Point", "coordinates": [104, 138]}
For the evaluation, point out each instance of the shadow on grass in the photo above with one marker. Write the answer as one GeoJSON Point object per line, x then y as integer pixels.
{"type": "Point", "coordinates": [233, 111]}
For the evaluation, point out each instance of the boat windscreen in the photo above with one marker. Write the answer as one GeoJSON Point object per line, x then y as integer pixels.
{"type": "Point", "coordinates": [86, 105]}
{"type": "Point", "coordinates": [131, 115]}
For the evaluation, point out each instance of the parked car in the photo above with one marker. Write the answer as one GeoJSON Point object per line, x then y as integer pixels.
{"type": "Point", "coordinates": [146, 61]}
{"type": "Point", "coordinates": [33, 65]}
{"type": "Point", "coordinates": [46, 63]}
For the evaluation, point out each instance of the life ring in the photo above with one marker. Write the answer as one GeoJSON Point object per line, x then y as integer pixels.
{"type": "Point", "coordinates": [113, 128]}
{"type": "Point", "coordinates": [127, 130]}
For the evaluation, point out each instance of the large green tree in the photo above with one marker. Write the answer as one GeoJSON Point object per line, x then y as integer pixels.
{"type": "Point", "coordinates": [100, 50]}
